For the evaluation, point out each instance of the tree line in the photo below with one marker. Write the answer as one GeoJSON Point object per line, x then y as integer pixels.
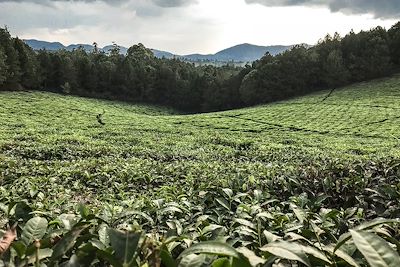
{"type": "Point", "coordinates": [139, 76]}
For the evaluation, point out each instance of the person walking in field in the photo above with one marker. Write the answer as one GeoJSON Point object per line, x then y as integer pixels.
{"type": "Point", "coordinates": [99, 118]}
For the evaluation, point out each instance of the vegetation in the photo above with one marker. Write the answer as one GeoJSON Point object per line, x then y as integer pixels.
{"type": "Point", "coordinates": [308, 182]}
{"type": "Point", "coordinates": [141, 77]}
{"type": "Point", "coordinates": [313, 181]}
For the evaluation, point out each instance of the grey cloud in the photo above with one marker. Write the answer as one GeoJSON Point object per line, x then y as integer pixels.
{"type": "Point", "coordinates": [379, 8]}
{"type": "Point", "coordinates": [49, 1]}
{"type": "Point", "coordinates": [173, 3]}
{"type": "Point", "coordinates": [43, 17]}
{"type": "Point", "coordinates": [142, 8]}
{"type": "Point", "coordinates": [154, 8]}
{"type": "Point", "coordinates": [160, 3]}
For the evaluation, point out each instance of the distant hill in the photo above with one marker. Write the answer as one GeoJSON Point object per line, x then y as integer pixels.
{"type": "Point", "coordinates": [123, 50]}
{"type": "Point", "coordinates": [242, 52]}
{"type": "Point", "coordinates": [36, 45]}
{"type": "Point", "coordinates": [238, 53]}
{"type": "Point", "coordinates": [87, 47]}
{"type": "Point", "coordinates": [161, 54]}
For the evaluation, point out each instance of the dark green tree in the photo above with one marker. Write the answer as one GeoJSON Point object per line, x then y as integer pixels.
{"type": "Point", "coordinates": [46, 68]}
{"type": "Point", "coordinates": [105, 70]}
{"type": "Point", "coordinates": [85, 70]}
{"type": "Point", "coordinates": [28, 64]}
{"type": "Point", "coordinates": [250, 89]}
{"type": "Point", "coordinates": [367, 54]}
{"type": "Point", "coordinates": [13, 76]}
{"type": "Point", "coordinates": [63, 74]}
{"type": "Point", "coordinates": [335, 71]}
{"type": "Point", "coordinates": [3, 66]}
{"type": "Point", "coordinates": [332, 69]}
{"type": "Point", "coordinates": [142, 72]}
{"type": "Point", "coordinates": [394, 43]}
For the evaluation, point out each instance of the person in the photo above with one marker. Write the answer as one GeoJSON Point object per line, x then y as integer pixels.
{"type": "Point", "coordinates": [99, 118]}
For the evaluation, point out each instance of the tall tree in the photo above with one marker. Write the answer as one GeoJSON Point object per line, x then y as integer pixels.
{"type": "Point", "coordinates": [63, 73]}
{"type": "Point", "coordinates": [394, 43]}
{"type": "Point", "coordinates": [3, 66]}
{"type": "Point", "coordinates": [377, 56]}
{"type": "Point", "coordinates": [85, 70]}
{"type": "Point", "coordinates": [333, 71]}
{"type": "Point", "coordinates": [143, 71]}
{"type": "Point", "coordinates": [367, 54]}
{"type": "Point", "coordinates": [46, 68]}
{"type": "Point", "coordinates": [28, 65]}
{"type": "Point", "coordinates": [13, 76]}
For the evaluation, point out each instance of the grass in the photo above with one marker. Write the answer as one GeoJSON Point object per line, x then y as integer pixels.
{"type": "Point", "coordinates": [53, 144]}
{"type": "Point", "coordinates": [297, 175]}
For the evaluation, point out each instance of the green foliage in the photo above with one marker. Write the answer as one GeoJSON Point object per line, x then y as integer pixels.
{"type": "Point", "coordinates": [288, 251]}
{"type": "Point", "coordinates": [286, 183]}
{"type": "Point", "coordinates": [33, 230]}
{"type": "Point", "coordinates": [394, 43]}
{"type": "Point", "coordinates": [330, 55]}
{"type": "Point", "coordinates": [309, 242]}
{"type": "Point", "coordinates": [139, 76]}
{"type": "Point", "coordinates": [125, 245]}
{"type": "Point", "coordinates": [249, 86]}
{"type": "Point", "coordinates": [308, 182]}
{"type": "Point", "coordinates": [28, 65]}
{"type": "Point", "coordinates": [3, 66]}
{"type": "Point", "coordinates": [375, 249]}
{"type": "Point", "coordinates": [13, 74]}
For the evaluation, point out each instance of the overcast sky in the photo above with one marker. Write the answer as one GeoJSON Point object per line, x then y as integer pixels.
{"type": "Point", "coordinates": [188, 26]}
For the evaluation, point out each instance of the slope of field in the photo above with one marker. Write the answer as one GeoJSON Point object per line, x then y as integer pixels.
{"type": "Point", "coordinates": [284, 182]}
{"type": "Point", "coordinates": [53, 144]}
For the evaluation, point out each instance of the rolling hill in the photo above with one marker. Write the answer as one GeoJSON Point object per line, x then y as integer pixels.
{"type": "Point", "coordinates": [44, 129]}
{"type": "Point", "coordinates": [227, 184]}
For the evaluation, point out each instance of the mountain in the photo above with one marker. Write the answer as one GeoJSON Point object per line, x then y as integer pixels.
{"type": "Point", "coordinates": [123, 50]}
{"type": "Point", "coordinates": [37, 45]}
{"type": "Point", "coordinates": [87, 47]}
{"type": "Point", "coordinates": [161, 54]}
{"type": "Point", "coordinates": [238, 53]}
{"type": "Point", "coordinates": [249, 52]}
{"type": "Point", "coordinates": [200, 57]}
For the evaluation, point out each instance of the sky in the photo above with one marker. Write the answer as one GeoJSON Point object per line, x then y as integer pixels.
{"type": "Point", "coordinates": [193, 26]}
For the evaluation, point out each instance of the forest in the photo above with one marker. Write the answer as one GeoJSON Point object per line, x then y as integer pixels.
{"type": "Point", "coordinates": [140, 77]}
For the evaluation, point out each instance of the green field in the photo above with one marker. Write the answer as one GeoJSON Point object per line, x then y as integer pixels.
{"type": "Point", "coordinates": [47, 138]}
{"type": "Point", "coordinates": [54, 154]}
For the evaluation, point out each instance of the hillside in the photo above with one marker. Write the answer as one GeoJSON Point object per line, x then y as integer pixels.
{"type": "Point", "coordinates": [43, 129]}
{"type": "Point", "coordinates": [257, 176]}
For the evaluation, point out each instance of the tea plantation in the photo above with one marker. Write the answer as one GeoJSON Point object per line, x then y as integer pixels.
{"type": "Point", "coordinates": [313, 181]}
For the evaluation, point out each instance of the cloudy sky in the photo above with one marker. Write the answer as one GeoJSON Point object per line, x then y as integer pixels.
{"type": "Point", "coordinates": [188, 26]}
